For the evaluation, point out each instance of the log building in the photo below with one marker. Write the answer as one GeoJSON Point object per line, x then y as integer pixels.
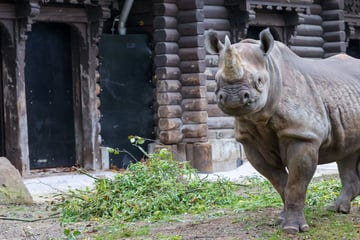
{"type": "Point", "coordinates": [59, 76]}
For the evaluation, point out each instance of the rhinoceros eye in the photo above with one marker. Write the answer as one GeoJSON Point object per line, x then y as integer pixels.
{"type": "Point", "coordinates": [259, 83]}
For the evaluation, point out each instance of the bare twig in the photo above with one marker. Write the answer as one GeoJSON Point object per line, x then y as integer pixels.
{"type": "Point", "coordinates": [54, 215]}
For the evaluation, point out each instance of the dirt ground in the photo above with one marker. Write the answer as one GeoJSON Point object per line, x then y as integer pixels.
{"type": "Point", "coordinates": [15, 223]}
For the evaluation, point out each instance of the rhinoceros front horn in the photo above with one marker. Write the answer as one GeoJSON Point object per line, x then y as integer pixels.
{"type": "Point", "coordinates": [232, 65]}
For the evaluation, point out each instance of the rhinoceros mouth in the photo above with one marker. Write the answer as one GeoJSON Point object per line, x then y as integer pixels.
{"type": "Point", "coordinates": [234, 106]}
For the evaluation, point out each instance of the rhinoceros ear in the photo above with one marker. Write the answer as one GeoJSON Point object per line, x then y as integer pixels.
{"type": "Point", "coordinates": [212, 43]}
{"type": "Point", "coordinates": [266, 41]}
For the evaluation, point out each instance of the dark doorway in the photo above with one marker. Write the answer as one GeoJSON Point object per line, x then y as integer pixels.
{"type": "Point", "coordinates": [127, 94]}
{"type": "Point", "coordinates": [353, 48]}
{"type": "Point", "coordinates": [2, 135]}
{"type": "Point", "coordinates": [254, 32]}
{"type": "Point", "coordinates": [49, 96]}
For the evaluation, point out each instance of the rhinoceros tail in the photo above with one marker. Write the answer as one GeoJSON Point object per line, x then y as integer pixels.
{"type": "Point", "coordinates": [232, 64]}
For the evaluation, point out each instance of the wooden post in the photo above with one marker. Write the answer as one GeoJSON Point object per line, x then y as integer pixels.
{"type": "Point", "coordinates": [167, 71]}
{"type": "Point", "coordinates": [333, 27]}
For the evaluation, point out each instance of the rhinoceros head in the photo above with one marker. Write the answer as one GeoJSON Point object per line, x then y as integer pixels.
{"type": "Point", "coordinates": [242, 78]}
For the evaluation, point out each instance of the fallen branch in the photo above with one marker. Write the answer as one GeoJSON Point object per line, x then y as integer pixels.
{"type": "Point", "coordinates": [30, 220]}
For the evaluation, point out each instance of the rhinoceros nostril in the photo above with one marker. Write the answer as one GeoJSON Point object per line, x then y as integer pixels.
{"type": "Point", "coordinates": [246, 96]}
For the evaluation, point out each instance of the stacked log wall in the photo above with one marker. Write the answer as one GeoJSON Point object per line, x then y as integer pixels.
{"type": "Point", "coordinates": [193, 81]}
{"type": "Point", "coordinates": [334, 27]}
{"type": "Point", "coordinates": [216, 16]}
{"type": "Point", "coordinates": [307, 40]}
{"type": "Point", "coordinates": [167, 71]}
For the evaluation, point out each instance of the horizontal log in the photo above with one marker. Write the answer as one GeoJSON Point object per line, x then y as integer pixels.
{"type": "Point", "coordinates": [166, 48]}
{"type": "Point", "coordinates": [214, 2]}
{"type": "Point", "coordinates": [309, 30]}
{"type": "Point", "coordinates": [193, 92]}
{"type": "Point", "coordinates": [195, 53]}
{"type": "Point", "coordinates": [169, 98]}
{"type": "Point", "coordinates": [189, 117]}
{"type": "Point", "coordinates": [307, 41]}
{"type": "Point", "coordinates": [189, 16]}
{"type": "Point", "coordinates": [218, 24]}
{"type": "Point", "coordinates": [216, 12]}
{"type": "Point", "coordinates": [163, 73]}
{"type": "Point", "coordinates": [194, 130]}
{"type": "Point", "coordinates": [194, 140]}
{"type": "Point", "coordinates": [214, 111]}
{"type": "Point", "coordinates": [168, 86]}
{"type": "Point", "coordinates": [190, 4]}
{"type": "Point", "coordinates": [165, 22]}
{"type": "Point", "coordinates": [211, 85]}
{"type": "Point", "coordinates": [336, 14]}
{"type": "Point", "coordinates": [165, 9]}
{"type": "Point", "coordinates": [330, 54]}
{"type": "Point", "coordinates": [316, 9]}
{"type": "Point", "coordinates": [335, 47]}
{"type": "Point", "coordinates": [333, 26]}
{"type": "Point", "coordinates": [170, 137]}
{"type": "Point", "coordinates": [191, 41]}
{"type": "Point", "coordinates": [226, 122]}
{"type": "Point", "coordinates": [195, 104]}
{"type": "Point", "coordinates": [221, 133]}
{"type": "Point", "coordinates": [338, 36]}
{"type": "Point", "coordinates": [210, 72]}
{"type": "Point", "coordinates": [311, 52]}
{"type": "Point", "coordinates": [211, 98]}
{"type": "Point", "coordinates": [97, 89]}
{"type": "Point", "coordinates": [193, 79]}
{"type": "Point", "coordinates": [166, 35]}
{"type": "Point", "coordinates": [169, 111]}
{"type": "Point", "coordinates": [191, 29]}
{"type": "Point", "coordinates": [212, 60]}
{"type": "Point", "coordinates": [167, 60]}
{"type": "Point", "coordinates": [97, 102]}
{"type": "Point", "coordinates": [312, 19]}
{"type": "Point", "coordinates": [192, 66]}
{"type": "Point", "coordinates": [333, 4]}
{"type": "Point", "coordinates": [169, 123]}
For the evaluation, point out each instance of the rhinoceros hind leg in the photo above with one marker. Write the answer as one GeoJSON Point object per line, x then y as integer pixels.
{"type": "Point", "coordinates": [350, 180]}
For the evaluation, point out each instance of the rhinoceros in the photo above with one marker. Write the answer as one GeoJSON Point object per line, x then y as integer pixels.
{"type": "Point", "coordinates": [291, 114]}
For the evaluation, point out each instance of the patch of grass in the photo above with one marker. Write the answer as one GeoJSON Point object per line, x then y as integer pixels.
{"type": "Point", "coordinates": [163, 189]}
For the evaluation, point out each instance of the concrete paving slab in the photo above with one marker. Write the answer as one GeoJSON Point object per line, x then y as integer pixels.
{"type": "Point", "coordinates": [43, 188]}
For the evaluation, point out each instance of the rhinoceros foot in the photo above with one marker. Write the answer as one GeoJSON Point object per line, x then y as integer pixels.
{"type": "Point", "coordinates": [341, 207]}
{"type": "Point", "coordinates": [293, 229]}
{"type": "Point", "coordinates": [296, 229]}
{"type": "Point", "coordinates": [294, 223]}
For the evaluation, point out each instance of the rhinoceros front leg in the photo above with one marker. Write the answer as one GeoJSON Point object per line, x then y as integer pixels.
{"type": "Point", "coordinates": [301, 160]}
{"type": "Point", "coordinates": [271, 168]}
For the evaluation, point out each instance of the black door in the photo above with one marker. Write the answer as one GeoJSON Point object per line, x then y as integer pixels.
{"type": "Point", "coordinates": [2, 138]}
{"type": "Point", "coordinates": [127, 94]}
{"type": "Point", "coordinates": [353, 48]}
{"type": "Point", "coordinates": [49, 96]}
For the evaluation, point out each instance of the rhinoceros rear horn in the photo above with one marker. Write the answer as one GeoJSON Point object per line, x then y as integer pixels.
{"type": "Point", "coordinates": [232, 64]}
{"type": "Point", "coordinates": [266, 41]}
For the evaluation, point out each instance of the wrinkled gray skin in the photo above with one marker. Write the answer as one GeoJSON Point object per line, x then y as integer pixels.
{"type": "Point", "coordinates": [292, 114]}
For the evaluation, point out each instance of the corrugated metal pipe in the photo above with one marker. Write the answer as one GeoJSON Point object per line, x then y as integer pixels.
{"type": "Point", "coordinates": [123, 16]}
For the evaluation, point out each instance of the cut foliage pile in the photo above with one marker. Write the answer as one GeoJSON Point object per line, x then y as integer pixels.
{"type": "Point", "coordinates": [152, 189]}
